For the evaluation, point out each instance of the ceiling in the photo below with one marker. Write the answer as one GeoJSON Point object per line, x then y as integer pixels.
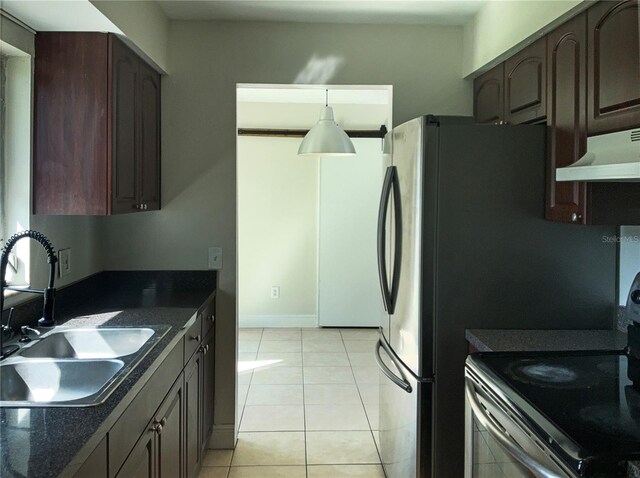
{"type": "Point", "coordinates": [314, 94]}
{"type": "Point", "coordinates": [438, 12]}
{"type": "Point", "coordinates": [59, 15]}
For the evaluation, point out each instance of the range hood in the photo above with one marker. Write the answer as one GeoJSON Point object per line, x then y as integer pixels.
{"type": "Point", "coordinates": [610, 157]}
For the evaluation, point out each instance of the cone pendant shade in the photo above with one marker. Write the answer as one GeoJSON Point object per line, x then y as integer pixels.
{"type": "Point", "coordinates": [326, 138]}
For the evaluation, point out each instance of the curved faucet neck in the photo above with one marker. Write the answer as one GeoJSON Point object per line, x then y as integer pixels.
{"type": "Point", "coordinates": [47, 319]}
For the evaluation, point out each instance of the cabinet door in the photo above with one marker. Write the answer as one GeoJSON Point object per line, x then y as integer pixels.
{"type": "Point", "coordinates": [192, 397]}
{"type": "Point", "coordinates": [125, 67]}
{"type": "Point", "coordinates": [525, 84]}
{"type": "Point", "coordinates": [566, 132]}
{"type": "Point", "coordinates": [170, 440]}
{"type": "Point", "coordinates": [141, 461]}
{"type": "Point", "coordinates": [149, 139]}
{"type": "Point", "coordinates": [96, 465]}
{"type": "Point", "coordinates": [71, 142]}
{"type": "Point", "coordinates": [614, 66]}
{"type": "Point", "coordinates": [208, 380]}
{"type": "Point", "coordinates": [488, 96]}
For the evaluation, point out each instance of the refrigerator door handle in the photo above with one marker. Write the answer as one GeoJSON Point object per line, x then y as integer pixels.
{"type": "Point", "coordinates": [399, 381]}
{"type": "Point", "coordinates": [397, 254]}
{"type": "Point", "coordinates": [382, 240]}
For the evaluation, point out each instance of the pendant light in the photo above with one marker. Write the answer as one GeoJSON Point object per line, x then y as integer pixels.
{"type": "Point", "coordinates": [326, 137]}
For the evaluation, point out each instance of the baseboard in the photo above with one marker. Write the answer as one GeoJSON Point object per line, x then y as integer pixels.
{"type": "Point", "coordinates": [246, 321]}
{"type": "Point", "coordinates": [223, 437]}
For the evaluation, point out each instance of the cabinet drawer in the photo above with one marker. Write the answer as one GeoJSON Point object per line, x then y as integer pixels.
{"type": "Point", "coordinates": [192, 338]}
{"type": "Point", "coordinates": [208, 316]}
{"type": "Point", "coordinates": [133, 422]}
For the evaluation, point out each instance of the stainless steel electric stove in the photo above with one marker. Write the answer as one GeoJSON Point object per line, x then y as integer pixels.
{"type": "Point", "coordinates": [552, 414]}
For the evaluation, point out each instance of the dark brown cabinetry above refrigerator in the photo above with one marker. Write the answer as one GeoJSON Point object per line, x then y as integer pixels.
{"type": "Point", "coordinates": [514, 91]}
{"type": "Point", "coordinates": [97, 127]}
{"type": "Point", "coordinates": [488, 96]}
{"type": "Point", "coordinates": [583, 79]}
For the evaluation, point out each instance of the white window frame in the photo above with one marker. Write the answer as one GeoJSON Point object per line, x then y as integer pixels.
{"type": "Point", "coordinates": [15, 169]}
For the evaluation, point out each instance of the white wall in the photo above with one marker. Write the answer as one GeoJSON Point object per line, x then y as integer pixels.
{"type": "Point", "coordinates": [349, 291]}
{"type": "Point", "coordinates": [206, 61]}
{"type": "Point", "coordinates": [505, 26]}
{"type": "Point", "coordinates": [277, 233]}
{"type": "Point", "coordinates": [629, 259]}
{"type": "Point", "coordinates": [144, 23]}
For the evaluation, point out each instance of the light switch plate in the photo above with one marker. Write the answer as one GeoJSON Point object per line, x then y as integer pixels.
{"type": "Point", "coordinates": [215, 258]}
{"type": "Point", "coordinates": [64, 262]}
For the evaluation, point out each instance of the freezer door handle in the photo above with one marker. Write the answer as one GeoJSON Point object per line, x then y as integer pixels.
{"type": "Point", "coordinates": [538, 469]}
{"type": "Point", "coordinates": [399, 381]}
{"type": "Point", "coordinates": [389, 185]}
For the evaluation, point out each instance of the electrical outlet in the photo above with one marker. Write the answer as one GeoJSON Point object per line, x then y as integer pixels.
{"type": "Point", "coordinates": [64, 262]}
{"type": "Point", "coordinates": [275, 292]}
{"type": "Point", "coordinates": [215, 258]}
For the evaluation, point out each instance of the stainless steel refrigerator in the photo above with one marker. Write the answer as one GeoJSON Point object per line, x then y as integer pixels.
{"type": "Point", "coordinates": [462, 243]}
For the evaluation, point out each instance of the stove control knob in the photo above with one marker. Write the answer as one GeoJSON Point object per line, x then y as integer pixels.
{"type": "Point", "coordinates": [635, 296]}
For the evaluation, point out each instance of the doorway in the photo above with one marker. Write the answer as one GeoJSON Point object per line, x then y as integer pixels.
{"type": "Point", "coordinates": [307, 225]}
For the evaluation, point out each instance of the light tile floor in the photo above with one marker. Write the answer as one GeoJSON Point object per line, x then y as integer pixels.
{"type": "Point", "coordinates": [308, 406]}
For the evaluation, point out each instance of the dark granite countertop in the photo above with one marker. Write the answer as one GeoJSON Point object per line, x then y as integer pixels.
{"type": "Point", "coordinates": [507, 340]}
{"type": "Point", "coordinates": [55, 441]}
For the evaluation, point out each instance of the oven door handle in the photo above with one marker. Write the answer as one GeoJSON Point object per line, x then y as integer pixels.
{"type": "Point", "coordinates": [538, 469]}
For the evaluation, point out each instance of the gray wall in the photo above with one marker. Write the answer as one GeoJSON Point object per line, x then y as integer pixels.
{"type": "Point", "coordinates": [206, 60]}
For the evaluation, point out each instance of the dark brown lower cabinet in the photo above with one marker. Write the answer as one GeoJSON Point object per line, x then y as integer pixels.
{"type": "Point", "coordinates": [199, 394]}
{"type": "Point", "coordinates": [170, 435]}
{"type": "Point", "coordinates": [158, 453]}
{"type": "Point", "coordinates": [96, 465]}
{"type": "Point", "coordinates": [141, 462]}
{"type": "Point", "coordinates": [208, 389]}
{"type": "Point", "coordinates": [193, 406]}
{"type": "Point", "coordinates": [165, 429]}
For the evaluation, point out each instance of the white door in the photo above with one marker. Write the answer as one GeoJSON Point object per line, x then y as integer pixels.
{"type": "Point", "coordinates": [349, 292]}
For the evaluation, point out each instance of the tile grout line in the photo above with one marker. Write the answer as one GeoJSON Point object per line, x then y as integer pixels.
{"type": "Point", "coordinates": [245, 403]}
{"type": "Point", "coordinates": [304, 409]}
{"type": "Point", "coordinates": [375, 444]}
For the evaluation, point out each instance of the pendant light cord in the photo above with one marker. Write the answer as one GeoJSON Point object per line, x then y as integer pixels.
{"type": "Point", "coordinates": [326, 101]}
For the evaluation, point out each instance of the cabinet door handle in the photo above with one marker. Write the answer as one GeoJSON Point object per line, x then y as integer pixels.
{"type": "Point", "coordinates": [212, 318]}
{"type": "Point", "coordinates": [195, 337]}
{"type": "Point", "coordinates": [575, 217]}
{"type": "Point", "coordinates": [157, 425]}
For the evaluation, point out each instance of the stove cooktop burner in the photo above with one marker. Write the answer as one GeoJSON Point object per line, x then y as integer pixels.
{"type": "Point", "coordinates": [610, 422]}
{"type": "Point", "coordinates": [545, 373]}
{"type": "Point", "coordinates": [550, 373]}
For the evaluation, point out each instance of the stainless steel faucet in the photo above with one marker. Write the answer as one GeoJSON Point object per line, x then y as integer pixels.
{"type": "Point", "coordinates": [47, 319]}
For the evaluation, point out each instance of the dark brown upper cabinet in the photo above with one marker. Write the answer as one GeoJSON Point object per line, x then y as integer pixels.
{"type": "Point", "coordinates": [614, 67]}
{"type": "Point", "coordinates": [97, 127]}
{"type": "Point", "coordinates": [525, 83]}
{"type": "Point", "coordinates": [488, 96]}
{"type": "Point", "coordinates": [566, 118]}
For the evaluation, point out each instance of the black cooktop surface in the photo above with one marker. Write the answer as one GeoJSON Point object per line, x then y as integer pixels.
{"type": "Point", "coordinates": [588, 396]}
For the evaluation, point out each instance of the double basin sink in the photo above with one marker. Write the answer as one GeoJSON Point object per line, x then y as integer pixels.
{"type": "Point", "coordinates": [74, 367]}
